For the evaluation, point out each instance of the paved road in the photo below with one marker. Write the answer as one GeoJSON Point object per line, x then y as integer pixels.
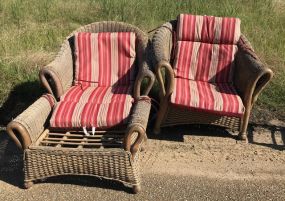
{"type": "Point", "coordinates": [155, 187]}
{"type": "Point", "coordinates": [199, 168]}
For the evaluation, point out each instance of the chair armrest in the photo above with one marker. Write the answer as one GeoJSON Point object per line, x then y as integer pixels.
{"type": "Point", "coordinates": [136, 131]}
{"type": "Point", "coordinates": [167, 90]}
{"type": "Point", "coordinates": [163, 46]}
{"type": "Point", "coordinates": [145, 73]}
{"type": "Point", "coordinates": [27, 127]}
{"type": "Point", "coordinates": [250, 76]}
{"type": "Point", "coordinates": [162, 42]}
{"type": "Point", "coordinates": [57, 76]}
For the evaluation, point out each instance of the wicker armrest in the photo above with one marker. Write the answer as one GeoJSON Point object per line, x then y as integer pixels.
{"type": "Point", "coordinates": [167, 90]}
{"type": "Point", "coordinates": [162, 46]}
{"type": "Point", "coordinates": [251, 76]}
{"type": "Point", "coordinates": [162, 42]}
{"type": "Point", "coordinates": [27, 127]}
{"type": "Point", "coordinates": [136, 131]}
{"type": "Point", "coordinates": [150, 78]}
{"type": "Point", "coordinates": [57, 76]}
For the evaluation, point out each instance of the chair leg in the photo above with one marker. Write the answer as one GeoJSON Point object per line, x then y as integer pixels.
{"type": "Point", "coordinates": [28, 184]}
{"type": "Point", "coordinates": [156, 129]}
{"type": "Point", "coordinates": [243, 131]}
{"type": "Point", "coordinates": [242, 136]}
{"type": "Point", "coordinates": [160, 116]}
{"type": "Point", "coordinates": [136, 188]}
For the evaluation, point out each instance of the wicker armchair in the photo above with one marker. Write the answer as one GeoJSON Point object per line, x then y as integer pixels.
{"type": "Point", "coordinates": [250, 77]}
{"type": "Point", "coordinates": [55, 145]}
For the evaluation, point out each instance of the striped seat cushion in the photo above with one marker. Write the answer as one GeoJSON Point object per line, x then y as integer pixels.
{"type": "Point", "coordinates": [219, 98]}
{"type": "Point", "coordinates": [206, 47]}
{"type": "Point", "coordinates": [87, 106]}
{"type": "Point", "coordinates": [104, 59]}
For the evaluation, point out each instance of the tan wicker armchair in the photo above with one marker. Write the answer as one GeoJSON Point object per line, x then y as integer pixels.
{"type": "Point", "coordinates": [111, 152]}
{"type": "Point", "coordinates": [250, 77]}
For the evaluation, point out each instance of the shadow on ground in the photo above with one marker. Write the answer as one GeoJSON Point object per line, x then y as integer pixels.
{"type": "Point", "coordinates": [177, 133]}
{"type": "Point", "coordinates": [89, 181]}
{"type": "Point", "coordinates": [11, 162]}
{"type": "Point", "coordinates": [19, 99]}
{"type": "Point", "coordinates": [275, 131]}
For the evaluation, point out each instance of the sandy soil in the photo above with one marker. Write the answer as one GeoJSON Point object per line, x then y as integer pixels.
{"type": "Point", "coordinates": [219, 155]}
{"type": "Point", "coordinates": [183, 163]}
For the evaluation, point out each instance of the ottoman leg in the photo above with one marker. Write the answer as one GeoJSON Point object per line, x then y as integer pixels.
{"type": "Point", "coordinates": [28, 184]}
{"type": "Point", "coordinates": [136, 188]}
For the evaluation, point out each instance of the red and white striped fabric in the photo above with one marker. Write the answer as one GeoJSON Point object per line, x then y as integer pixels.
{"type": "Point", "coordinates": [104, 75]}
{"type": "Point", "coordinates": [219, 98]}
{"type": "Point", "coordinates": [50, 99]}
{"type": "Point", "coordinates": [97, 94]}
{"type": "Point", "coordinates": [101, 107]}
{"type": "Point", "coordinates": [208, 29]}
{"type": "Point", "coordinates": [206, 47]}
{"type": "Point", "coordinates": [104, 59]}
{"type": "Point", "coordinates": [204, 61]}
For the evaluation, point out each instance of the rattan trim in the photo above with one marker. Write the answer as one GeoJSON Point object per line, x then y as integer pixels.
{"type": "Point", "coordinates": [43, 160]}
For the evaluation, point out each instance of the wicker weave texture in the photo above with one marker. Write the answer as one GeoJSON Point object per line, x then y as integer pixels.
{"type": "Point", "coordinates": [62, 66]}
{"type": "Point", "coordinates": [35, 117]}
{"type": "Point", "coordinates": [140, 113]}
{"type": "Point", "coordinates": [113, 164]}
{"type": "Point", "coordinates": [162, 43]}
{"type": "Point", "coordinates": [176, 116]}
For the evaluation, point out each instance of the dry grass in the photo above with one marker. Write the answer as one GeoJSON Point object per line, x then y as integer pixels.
{"type": "Point", "coordinates": [32, 31]}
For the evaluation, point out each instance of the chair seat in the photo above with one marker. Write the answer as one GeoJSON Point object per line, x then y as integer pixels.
{"type": "Point", "coordinates": [100, 107]}
{"type": "Point", "coordinates": [219, 98]}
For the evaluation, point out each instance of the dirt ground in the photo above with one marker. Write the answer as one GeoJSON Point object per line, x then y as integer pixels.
{"type": "Point", "coordinates": [183, 163]}
{"type": "Point", "coordinates": [216, 154]}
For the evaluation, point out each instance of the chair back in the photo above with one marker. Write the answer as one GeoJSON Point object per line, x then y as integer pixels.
{"type": "Point", "coordinates": [105, 59]}
{"type": "Point", "coordinates": [206, 47]}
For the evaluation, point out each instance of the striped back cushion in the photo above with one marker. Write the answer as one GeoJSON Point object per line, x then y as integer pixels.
{"type": "Point", "coordinates": [206, 48]}
{"type": "Point", "coordinates": [105, 59]}
{"type": "Point", "coordinates": [208, 29]}
{"type": "Point", "coordinates": [204, 61]}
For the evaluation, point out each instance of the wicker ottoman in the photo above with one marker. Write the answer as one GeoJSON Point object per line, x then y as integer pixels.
{"type": "Point", "coordinates": [73, 153]}
{"type": "Point", "coordinates": [111, 154]}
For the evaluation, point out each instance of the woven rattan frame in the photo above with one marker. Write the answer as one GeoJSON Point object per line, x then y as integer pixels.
{"type": "Point", "coordinates": [181, 116]}
{"type": "Point", "coordinates": [30, 129]}
{"type": "Point", "coordinates": [73, 153]}
{"type": "Point", "coordinates": [250, 78]}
